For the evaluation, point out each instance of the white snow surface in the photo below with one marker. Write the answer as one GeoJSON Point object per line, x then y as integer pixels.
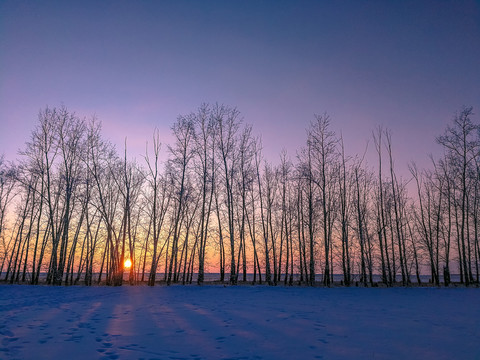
{"type": "Point", "coordinates": [243, 322]}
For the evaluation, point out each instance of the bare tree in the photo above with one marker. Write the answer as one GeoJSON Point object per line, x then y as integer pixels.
{"type": "Point", "coordinates": [7, 184]}
{"type": "Point", "coordinates": [387, 277]}
{"type": "Point", "coordinates": [205, 150]}
{"type": "Point", "coordinates": [181, 151]}
{"type": "Point", "coordinates": [325, 156]}
{"type": "Point", "coordinates": [399, 232]}
{"type": "Point", "coordinates": [228, 122]}
{"type": "Point", "coordinates": [266, 234]}
{"type": "Point", "coordinates": [461, 142]}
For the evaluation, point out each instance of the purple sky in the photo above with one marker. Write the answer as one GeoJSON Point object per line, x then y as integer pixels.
{"type": "Point", "coordinates": [408, 65]}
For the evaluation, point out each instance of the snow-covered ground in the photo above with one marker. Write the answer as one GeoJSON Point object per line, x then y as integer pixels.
{"type": "Point", "coordinates": [244, 322]}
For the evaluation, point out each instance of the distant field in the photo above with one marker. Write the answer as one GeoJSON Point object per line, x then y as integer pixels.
{"type": "Point", "coordinates": [215, 277]}
{"type": "Point", "coordinates": [246, 322]}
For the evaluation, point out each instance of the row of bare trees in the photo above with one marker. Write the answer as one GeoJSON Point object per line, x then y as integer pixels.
{"type": "Point", "coordinates": [73, 208]}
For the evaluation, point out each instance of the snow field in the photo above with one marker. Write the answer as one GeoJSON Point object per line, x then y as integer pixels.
{"type": "Point", "coordinates": [243, 322]}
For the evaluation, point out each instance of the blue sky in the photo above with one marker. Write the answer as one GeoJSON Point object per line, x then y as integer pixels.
{"type": "Point", "coordinates": [406, 65]}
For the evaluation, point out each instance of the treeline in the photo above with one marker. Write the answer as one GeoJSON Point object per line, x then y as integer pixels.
{"type": "Point", "coordinates": [74, 208]}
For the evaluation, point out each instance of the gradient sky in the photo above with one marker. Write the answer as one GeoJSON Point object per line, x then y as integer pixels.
{"type": "Point", "coordinates": [408, 65]}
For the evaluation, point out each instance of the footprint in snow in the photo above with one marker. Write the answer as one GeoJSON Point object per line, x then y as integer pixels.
{"type": "Point", "coordinates": [110, 356]}
{"type": "Point", "coordinates": [9, 340]}
{"type": "Point", "coordinates": [6, 333]}
{"type": "Point", "coordinates": [76, 338]}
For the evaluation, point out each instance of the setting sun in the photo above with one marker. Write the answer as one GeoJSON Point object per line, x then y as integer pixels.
{"type": "Point", "coordinates": [128, 263]}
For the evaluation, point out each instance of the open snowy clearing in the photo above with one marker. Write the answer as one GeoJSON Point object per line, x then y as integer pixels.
{"type": "Point", "coordinates": [214, 322]}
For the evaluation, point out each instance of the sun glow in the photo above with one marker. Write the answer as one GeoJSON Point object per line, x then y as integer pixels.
{"type": "Point", "coordinates": [128, 263]}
